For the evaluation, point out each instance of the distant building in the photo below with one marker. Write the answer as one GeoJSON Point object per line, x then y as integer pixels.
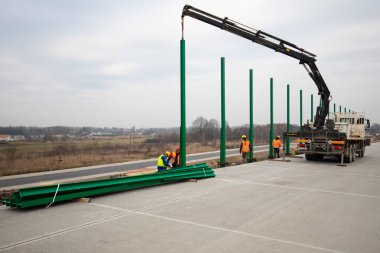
{"type": "Point", "coordinates": [39, 137]}
{"type": "Point", "coordinates": [10, 138]}
{"type": "Point", "coordinates": [153, 135]}
{"type": "Point", "coordinates": [5, 138]}
{"type": "Point", "coordinates": [100, 134]}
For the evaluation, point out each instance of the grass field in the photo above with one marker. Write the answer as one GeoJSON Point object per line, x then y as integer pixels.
{"type": "Point", "coordinates": [33, 156]}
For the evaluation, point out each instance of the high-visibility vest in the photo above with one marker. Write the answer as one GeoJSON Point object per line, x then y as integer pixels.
{"type": "Point", "coordinates": [160, 162]}
{"type": "Point", "coordinates": [177, 159]}
{"type": "Point", "coordinates": [245, 146]}
{"type": "Point", "coordinates": [276, 143]}
{"type": "Point", "coordinates": [173, 158]}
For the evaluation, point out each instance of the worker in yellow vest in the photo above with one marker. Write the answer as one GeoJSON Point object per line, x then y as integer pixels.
{"type": "Point", "coordinates": [245, 147]}
{"type": "Point", "coordinates": [276, 146]}
{"type": "Point", "coordinates": [163, 161]}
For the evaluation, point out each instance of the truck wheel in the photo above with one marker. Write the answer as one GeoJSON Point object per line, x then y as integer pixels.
{"type": "Point", "coordinates": [347, 158]}
{"type": "Point", "coordinates": [361, 153]}
{"type": "Point", "coordinates": [353, 156]}
{"type": "Point", "coordinates": [309, 157]}
{"type": "Point", "coordinates": [318, 157]}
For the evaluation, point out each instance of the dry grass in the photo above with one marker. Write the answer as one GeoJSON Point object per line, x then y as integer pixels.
{"type": "Point", "coordinates": [28, 157]}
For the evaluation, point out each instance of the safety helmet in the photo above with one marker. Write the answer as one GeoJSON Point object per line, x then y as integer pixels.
{"type": "Point", "coordinates": [167, 153]}
{"type": "Point", "coordinates": [178, 149]}
{"type": "Point", "coordinates": [243, 136]}
{"type": "Point", "coordinates": [278, 136]}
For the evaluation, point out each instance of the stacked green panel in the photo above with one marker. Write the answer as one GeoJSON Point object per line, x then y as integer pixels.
{"type": "Point", "coordinates": [43, 195]}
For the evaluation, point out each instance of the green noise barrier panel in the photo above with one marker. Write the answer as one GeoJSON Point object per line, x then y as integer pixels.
{"type": "Point", "coordinates": [45, 195]}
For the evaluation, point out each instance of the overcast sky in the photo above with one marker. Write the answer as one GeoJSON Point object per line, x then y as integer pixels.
{"type": "Point", "coordinates": [116, 63]}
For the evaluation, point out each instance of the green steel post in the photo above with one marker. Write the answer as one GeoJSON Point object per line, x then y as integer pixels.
{"type": "Point", "coordinates": [340, 108]}
{"type": "Point", "coordinates": [287, 151]}
{"type": "Point", "coordinates": [301, 120]}
{"type": "Point", "coordinates": [183, 107]}
{"type": "Point", "coordinates": [312, 109]}
{"type": "Point", "coordinates": [345, 109]}
{"type": "Point", "coordinates": [223, 120]}
{"type": "Point", "coordinates": [271, 154]}
{"type": "Point", "coordinates": [334, 108]}
{"type": "Point", "coordinates": [251, 112]}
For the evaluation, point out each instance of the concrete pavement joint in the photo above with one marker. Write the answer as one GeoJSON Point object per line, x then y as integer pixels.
{"type": "Point", "coordinates": [328, 172]}
{"type": "Point", "coordinates": [302, 188]}
{"type": "Point", "coordinates": [92, 223]}
{"type": "Point", "coordinates": [227, 230]}
{"type": "Point", "coordinates": [274, 210]}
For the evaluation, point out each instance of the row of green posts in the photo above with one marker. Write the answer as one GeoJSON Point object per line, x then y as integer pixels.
{"type": "Point", "coordinates": [223, 116]}
{"type": "Point", "coordinates": [47, 195]}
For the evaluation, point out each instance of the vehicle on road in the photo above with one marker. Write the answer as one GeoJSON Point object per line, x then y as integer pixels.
{"type": "Point", "coordinates": [344, 137]}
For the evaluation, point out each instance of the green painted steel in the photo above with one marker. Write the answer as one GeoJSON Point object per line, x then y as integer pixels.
{"type": "Point", "coordinates": [301, 120]}
{"type": "Point", "coordinates": [223, 116]}
{"type": "Point", "coordinates": [312, 109]}
{"type": "Point", "coordinates": [44, 195]}
{"type": "Point", "coordinates": [250, 156]}
{"type": "Point", "coordinates": [183, 106]}
{"type": "Point", "coordinates": [345, 109]}
{"type": "Point", "coordinates": [340, 108]}
{"type": "Point", "coordinates": [271, 154]}
{"type": "Point", "coordinates": [287, 151]}
{"type": "Point", "coordinates": [334, 108]}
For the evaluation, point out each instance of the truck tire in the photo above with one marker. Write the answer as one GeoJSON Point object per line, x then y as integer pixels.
{"type": "Point", "coordinates": [347, 158]}
{"type": "Point", "coordinates": [318, 157]}
{"type": "Point", "coordinates": [361, 153]}
{"type": "Point", "coordinates": [353, 156]}
{"type": "Point", "coordinates": [309, 157]}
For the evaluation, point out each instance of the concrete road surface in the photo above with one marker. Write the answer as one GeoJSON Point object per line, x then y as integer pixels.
{"type": "Point", "coordinates": [269, 206]}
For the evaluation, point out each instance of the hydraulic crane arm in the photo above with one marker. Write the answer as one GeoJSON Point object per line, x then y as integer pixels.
{"type": "Point", "coordinates": [306, 58]}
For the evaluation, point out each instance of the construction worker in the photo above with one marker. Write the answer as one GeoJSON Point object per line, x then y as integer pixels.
{"type": "Point", "coordinates": [277, 145]}
{"type": "Point", "coordinates": [245, 147]}
{"type": "Point", "coordinates": [163, 162]}
{"type": "Point", "coordinates": [175, 156]}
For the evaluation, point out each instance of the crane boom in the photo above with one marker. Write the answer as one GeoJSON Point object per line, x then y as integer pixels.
{"type": "Point", "coordinates": [305, 58]}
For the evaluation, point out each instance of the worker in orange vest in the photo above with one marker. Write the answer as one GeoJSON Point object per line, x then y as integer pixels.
{"type": "Point", "coordinates": [245, 147]}
{"type": "Point", "coordinates": [175, 156]}
{"type": "Point", "coordinates": [277, 145]}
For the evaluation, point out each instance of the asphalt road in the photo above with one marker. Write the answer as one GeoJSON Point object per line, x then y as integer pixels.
{"type": "Point", "coordinates": [74, 173]}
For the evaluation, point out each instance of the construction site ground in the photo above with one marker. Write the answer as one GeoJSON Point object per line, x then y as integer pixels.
{"type": "Point", "coordinates": [268, 206]}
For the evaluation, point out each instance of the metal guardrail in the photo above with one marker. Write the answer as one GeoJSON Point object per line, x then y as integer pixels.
{"type": "Point", "coordinates": [45, 195]}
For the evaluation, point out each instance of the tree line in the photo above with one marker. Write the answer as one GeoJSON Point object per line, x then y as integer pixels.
{"type": "Point", "coordinates": [202, 130]}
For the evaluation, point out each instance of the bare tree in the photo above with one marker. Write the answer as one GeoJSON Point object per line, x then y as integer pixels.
{"type": "Point", "coordinates": [11, 153]}
{"type": "Point", "coordinates": [212, 130]}
{"type": "Point", "coordinates": [198, 129]}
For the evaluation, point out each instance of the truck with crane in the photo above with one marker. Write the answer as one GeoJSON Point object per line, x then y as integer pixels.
{"type": "Point", "coordinates": [341, 135]}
